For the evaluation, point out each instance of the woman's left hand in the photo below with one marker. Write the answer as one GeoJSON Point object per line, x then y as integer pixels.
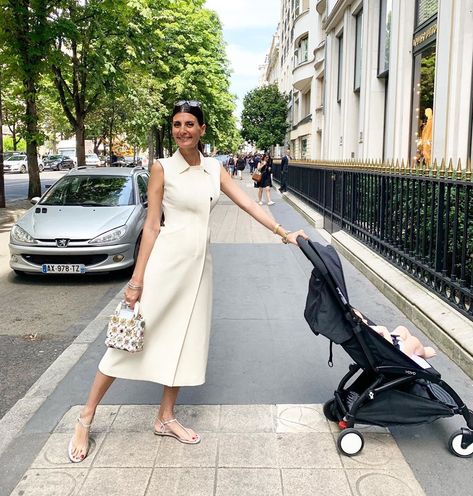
{"type": "Point", "coordinates": [292, 237]}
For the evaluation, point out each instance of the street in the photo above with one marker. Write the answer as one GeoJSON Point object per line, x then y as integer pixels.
{"type": "Point", "coordinates": [41, 315]}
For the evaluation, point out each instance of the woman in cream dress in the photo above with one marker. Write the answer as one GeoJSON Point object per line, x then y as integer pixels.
{"type": "Point", "coordinates": [173, 279]}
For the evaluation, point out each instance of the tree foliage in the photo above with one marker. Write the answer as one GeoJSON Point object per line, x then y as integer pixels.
{"type": "Point", "coordinates": [264, 117]}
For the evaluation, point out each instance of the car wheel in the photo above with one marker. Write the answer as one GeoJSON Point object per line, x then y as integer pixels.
{"type": "Point", "coordinates": [23, 169]}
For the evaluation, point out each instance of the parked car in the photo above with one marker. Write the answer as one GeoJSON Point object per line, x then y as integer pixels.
{"type": "Point", "coordinates": [129, 162]}
{"type": "Point", "coordinates": [19, 163]}
{"type": "Point", "coordinates": [57, 162]}
{"type": "Point", "coordinates": [92, 160]}
{"type": "Point", "coordinates": [90, 220]}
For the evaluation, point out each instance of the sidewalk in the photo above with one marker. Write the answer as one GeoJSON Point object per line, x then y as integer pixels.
{"type": "Point", "coordinates": [260, 412]}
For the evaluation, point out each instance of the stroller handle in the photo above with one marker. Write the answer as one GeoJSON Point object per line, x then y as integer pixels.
{"type": "Point", "coordinates": [306, 247]}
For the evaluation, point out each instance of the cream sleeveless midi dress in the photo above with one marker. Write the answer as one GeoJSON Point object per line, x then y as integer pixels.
{"type": "Point", "coordinates": [176, 301]}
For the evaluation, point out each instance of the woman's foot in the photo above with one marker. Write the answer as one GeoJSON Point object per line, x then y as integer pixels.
{"type": "Point", "coordinates": [270, 202]}
{"type": "Point", "coordinates": [260, 203]}
{"type": "Point", "coordinates": [79, 444]}
{"type": "Point", "coordinates": [173, 428]}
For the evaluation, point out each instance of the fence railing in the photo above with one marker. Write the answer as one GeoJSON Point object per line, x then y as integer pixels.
{"type": "Point", "coordinates": [419, 218]}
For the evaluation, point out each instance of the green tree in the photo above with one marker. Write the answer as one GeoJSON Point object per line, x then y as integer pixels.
{"type": "Point", "coordinates": [264, 117]}
{"type": "Point", "coordinates": [25, 33]}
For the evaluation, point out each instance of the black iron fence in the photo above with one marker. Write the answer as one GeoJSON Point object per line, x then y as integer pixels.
{"type": "Point", "coordinates": [419, 218]}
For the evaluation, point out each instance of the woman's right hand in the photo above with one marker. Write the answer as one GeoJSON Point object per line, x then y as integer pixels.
{"type": "Point", "coordinates": [132, 296]}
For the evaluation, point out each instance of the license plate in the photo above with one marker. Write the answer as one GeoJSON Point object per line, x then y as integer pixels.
{"type": "Point", "coordinates": [63, 268]}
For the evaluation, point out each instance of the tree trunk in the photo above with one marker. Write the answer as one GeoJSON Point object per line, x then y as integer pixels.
{"type": "Point", "coordinates": [2, 179]}
{"type": "Point", "coordinates": [151, 133]}
{"type": "Point", "coordinates": [13, 136]}
{"type": "Point", "coordinates": [34, 187]}
{"type": "Point", "coordinates": [168, 129]}
{"type": "Point", "coordinates": [80, 142]}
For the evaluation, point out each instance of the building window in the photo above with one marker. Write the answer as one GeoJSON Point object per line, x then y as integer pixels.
{"type": "Point", "coordinates": [425, 9]}
{"type": "Point", "coordinates": [423, 105]}
{"type": "Point", "coordinates": [385, 15]}
{"type": "Point", "coordinates": [303, 148]}
{"type": "Point", "coordinates": [340, 68]}
{"type": "Point", "coordinates": [302, 51]}
{"type": "Point", "coordinates": [358, 50]}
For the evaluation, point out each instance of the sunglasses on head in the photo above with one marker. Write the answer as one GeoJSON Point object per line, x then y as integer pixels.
{"type": "Point", "coordinates": [190, 103]}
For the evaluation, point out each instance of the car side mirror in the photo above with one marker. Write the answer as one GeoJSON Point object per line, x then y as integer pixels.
{"type": "Point", "coordinates": [35, 200]}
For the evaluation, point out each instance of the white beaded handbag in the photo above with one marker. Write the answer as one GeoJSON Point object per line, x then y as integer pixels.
{"type": "Point", "coordinates": [126, 329]}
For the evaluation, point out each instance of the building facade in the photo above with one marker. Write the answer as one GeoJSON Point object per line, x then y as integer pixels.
{"type": "Point", "coordinates": [378, 79]}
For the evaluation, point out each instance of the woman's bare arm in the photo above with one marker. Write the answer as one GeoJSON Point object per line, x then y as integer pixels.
{"type": "Point", "coordinates": [240, 198]}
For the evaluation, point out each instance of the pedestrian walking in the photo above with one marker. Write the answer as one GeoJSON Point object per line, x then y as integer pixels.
{"type": "Point", "coordinates": [284, 171]}
{"type": "Point", "coordinates": [231, 165]}
{"type": "Point", "coordinates": [265, 183]}
{"type": "Point", "coordinates": [240, 166]}
{"type": "Point", "coordinates": [172, 279]}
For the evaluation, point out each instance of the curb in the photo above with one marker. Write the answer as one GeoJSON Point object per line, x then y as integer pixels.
{"type": "Point", "coordinates": [23, 410]}
{"type": "Point", "coordinates": [447, 328]}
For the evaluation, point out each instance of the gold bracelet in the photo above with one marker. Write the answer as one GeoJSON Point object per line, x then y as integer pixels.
{"type": "Point", "coordinates": [276, 227]}
{"type": "Point", "coordinates": [284, 238]}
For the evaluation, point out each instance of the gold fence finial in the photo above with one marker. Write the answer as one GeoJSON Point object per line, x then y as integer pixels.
{"type": "Point", "coordinates": [450, 169]}
{"type": "Point", "coordinates": [468, 169]}
{"type": "Point", "coordinates": [459, 172]}
{"type": "Point", "coordinates": [435, 170]}
{"type": "Point", "coordinates": [414, 167]}
{"type": "Point", "coordinates": [442, 168]}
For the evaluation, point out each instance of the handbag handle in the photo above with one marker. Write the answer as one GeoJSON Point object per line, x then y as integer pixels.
{"type": "Point", "coordinates": [136, 309]}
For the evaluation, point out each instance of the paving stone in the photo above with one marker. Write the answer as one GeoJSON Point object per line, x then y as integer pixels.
{"type": "Point", "coordinates": [37, 482]}
{"type": "Point", "coordinates": [247, 450]}
{"type": "Point", "coordinates": [309, 482]}
{"type": "Point", "coordinates": [379, 451]}
{"type": "Point", "coordinates": [248, 482]}
{"type": "Point", "coordinates": [246, 418]}
{"type": "Point", "coordinates": [300, 418]}
{"type": "Point", "coordinates": [383, 483]}
{"type": "Point", "coordinates": [200, 418]}
{"type": "Point", "coordinates": [54, 452]}
{"type": "Point", "coordinates": [128, 449]}
{"type": "Point", "coordinates": [311, 450]}
{"type": "Point", "coordinates": [104, 417]}
{"type": "Point", "coordinates": [182, 482]}
{"type": "Point", "coordinates": [116, 482]}
{"type": "Point", "coordinates": [172, 453]}
{"type": "Point", "coordinates": [135, 418]}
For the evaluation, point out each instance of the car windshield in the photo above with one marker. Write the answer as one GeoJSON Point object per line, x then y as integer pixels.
{"type": "Point", "coordinates": [16, 157]}
{"type": "Point", "coordinates": [54, 157]}
{"type": "Point", "coordinates": [97, 191]}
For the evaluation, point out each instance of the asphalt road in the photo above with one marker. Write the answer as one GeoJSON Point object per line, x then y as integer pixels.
{"type": "Point", "coordinates": [41, 316]}
{"type": "Point", "coordinates": [16, 185]}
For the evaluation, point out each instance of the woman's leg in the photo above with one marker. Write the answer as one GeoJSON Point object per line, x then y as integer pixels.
{"type": "Point", "coordinates": [260, 194]}
{"type": "Point", "coordinates": [80, 440]}
{"type": "Point", "coordinates": [166, 413]}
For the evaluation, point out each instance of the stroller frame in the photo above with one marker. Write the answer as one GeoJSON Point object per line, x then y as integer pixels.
{"type": "Point", "coordinates": [369, 379]}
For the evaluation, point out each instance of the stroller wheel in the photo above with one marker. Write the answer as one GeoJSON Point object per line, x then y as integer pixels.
{"type": "Point", "coordinates": [350, 442]}
{"type": "Point", "coordinates": [455, 443]}
{"type": "Point", "coordinates": [330, 410]}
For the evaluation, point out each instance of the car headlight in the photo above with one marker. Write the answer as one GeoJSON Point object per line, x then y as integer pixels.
{"type": "Point", "coordinates": [20, 235]}
{"type": "Point", "coordinates": [109, 237]}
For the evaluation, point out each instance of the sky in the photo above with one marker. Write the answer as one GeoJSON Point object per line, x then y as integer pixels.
{"type": "Point", "coordinates": [248, 29]}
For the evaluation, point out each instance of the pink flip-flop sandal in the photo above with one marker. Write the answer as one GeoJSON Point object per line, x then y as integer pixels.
{"type": "Point", "coordinates": [81, 458]}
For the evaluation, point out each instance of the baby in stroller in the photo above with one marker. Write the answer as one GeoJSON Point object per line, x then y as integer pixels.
{"type": "Point", "coordinates": [402, 339]}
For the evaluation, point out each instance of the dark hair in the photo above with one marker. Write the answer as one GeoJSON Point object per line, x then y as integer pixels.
{"type": "Point", "coordinates": [191, 107]}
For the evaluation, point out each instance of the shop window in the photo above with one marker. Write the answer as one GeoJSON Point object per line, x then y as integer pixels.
{"type": "Point", "coordinates": [423, 105]}
{"type": "Point", "coordinates": [425, 9]}
{"type": "Point", "coordinates": [340, 68]}
{"type": "Point", "coordinates": [303, 148]}
{"type": "Point", "coordinates": [358, 51]}
{"type": "Point", "coordinates": [385, 16]}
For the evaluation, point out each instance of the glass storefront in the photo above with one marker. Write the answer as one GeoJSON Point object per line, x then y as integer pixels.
{"type": "Point", "coordinates": [423, 105]}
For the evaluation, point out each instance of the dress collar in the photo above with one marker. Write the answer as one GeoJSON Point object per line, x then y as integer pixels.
{"type": "Point", "coordinates": [182, 165]}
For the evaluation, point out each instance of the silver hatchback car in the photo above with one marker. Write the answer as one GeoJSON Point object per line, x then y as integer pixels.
{"type": "Point", "coordinates": [90, 220]}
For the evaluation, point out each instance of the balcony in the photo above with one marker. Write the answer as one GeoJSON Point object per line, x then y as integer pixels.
{"type": "Point", "coordinates": [319, 55]}
{"type": "Point", "coordinates": [302, 25]}
{"type": "Point", "coordinates": [302, 75]}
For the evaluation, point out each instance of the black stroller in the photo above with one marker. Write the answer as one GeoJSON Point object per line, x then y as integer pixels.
{"type": "Point", "coordinates": [384, 386]}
